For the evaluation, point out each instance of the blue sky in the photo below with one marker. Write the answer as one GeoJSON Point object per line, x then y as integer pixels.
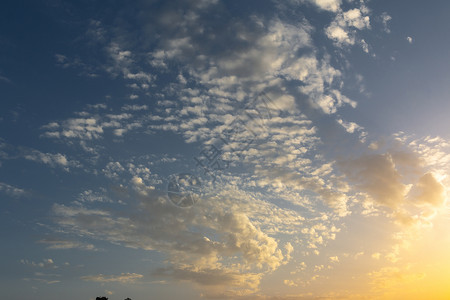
{"type": "Point", "coordinates": [309, 140]}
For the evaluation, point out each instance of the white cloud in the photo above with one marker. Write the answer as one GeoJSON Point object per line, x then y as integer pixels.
{"type": "Point", "coordinates": [339, 34]}
{"type": "Point", "coordinates": [75, 128]}
{"type": "Point", "coordinates": [90, 196]}
{"type": "Point", "coordinates": [93, 126]}
{"type": "Point", "coordinates": [94, 106]}
{"type": "Point", "coordinates": [364, 45]}
{"type": "Point", "coordinates": [47, 263]}
{"type": "Point", "coordinates": [409, 39]}
{"type": "Point", "coordinates": [343, 29]}
{"type": "Point", "coordinates": [330, 5]}
{"type": "Point", "coordinates": [352, 127]}
{"type": "Point", "coordinates": [134, 107]}
{"type": "Point", "coordinates": [356, 18]}
{"type": "Point", "coordinates": [53, 160]}
{"type": "Point", "coordinates": [385, 18]}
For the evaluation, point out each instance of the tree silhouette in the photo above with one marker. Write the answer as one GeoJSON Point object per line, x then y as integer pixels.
{"type": "Point", "coordinates": [101, 298]}
{"type": "Point", "coordinates": [128, 299]}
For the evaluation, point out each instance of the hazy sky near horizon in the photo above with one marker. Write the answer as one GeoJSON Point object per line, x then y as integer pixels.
{"type": "Point", "coordinates": [293, 149]}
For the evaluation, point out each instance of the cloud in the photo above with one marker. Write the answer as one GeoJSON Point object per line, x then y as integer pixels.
{"type": "Point", "coordinates": [377, 176]}
{"type": "Point", "coordinates": [239, 285]}
{"type": "Point", "coordinates": [364, 45]}
{"type": "Point", "coordinates": [113, 169]}
{"type": "Point", "coordinates": [57, 244]}
{"type": "Point", "coordinates": [47, 263]}
{"type": "Point", "coordinates": [410, 179]}
{"type": "Point", "coordinates": [53, 160]}
{"type": "Point", "coordinates": [12, 190]}
{"type": "Point", "coordinates": [239, 235]}
{"type": "Point", "coordinates": [66, 211]}
{"type": "Point", "coordinates": [320, 80]}
{"type": "Point", "coordinates": [352, 127]}
{"type": "Point", "coordinates": [82, 128]}
{"type": "Point", "coordinates": [46, 281]}
{"type": "Point", "coordinates": [263, 55]}
{"type": "Point", "coordinates": [357, 18]}
{"type": "Point", "coordinates": [343, 28]}
{"type": "Point", "coordinates": [334, 259]}
{"type": "Point", "coordinates": [90, 196]}
{"type": "Point", "coordinates": [5, 79]}
{"type": "Point", "coordinates": [339, 35]}
{"type": "Point", "coordinates": [385, 18]}
{"type": "Point", "coordinates": [291, 198]}
{"type": "Point", "coordinates": [123, 62]}
{"type": "Point", "coordinates": [376, 255]}
{"type": "Point", "coordinates": [329, 5]}
{"type": "Point", "coordinates": [213, 277]}
{"type": "Point", "coordinates": [232, 230]}
{"type": "Point", "coordinates": [90, 106]}
{"type": "Point", "coordinates": [122, 278]}
{"type": "Point", "coordinates": [76, 63]}
{"type": "Point", "coordinates": [387, 277]}
{"type": "Point", "coordinates": [428, 190]}
{"type": "Point", "coordinates": [211, 256]}
{"type": "Point", "coordinates": [409, 39]}
{"type": "Point", "coordinates": [92, 126]}
{"type": "Point", "coordinates": [134, 107]}
{"type": "Point", "coordinates": [257, 55]}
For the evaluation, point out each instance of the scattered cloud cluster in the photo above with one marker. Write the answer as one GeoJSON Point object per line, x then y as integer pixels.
{"type": "Point", "coordinates": [193, 256]}
{"type": "Point", "coordinates": [344, 27]}
{"type": "Point", "coordinates": [253, 88]}
{"type": "Point", "coordinates": [47, 263]}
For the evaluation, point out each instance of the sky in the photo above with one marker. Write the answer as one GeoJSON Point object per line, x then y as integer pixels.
{"type": "Point", "coordinates": [211, 149]}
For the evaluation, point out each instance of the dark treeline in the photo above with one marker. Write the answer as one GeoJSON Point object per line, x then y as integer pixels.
{"type": "Point", "coordinates": [105, 298]}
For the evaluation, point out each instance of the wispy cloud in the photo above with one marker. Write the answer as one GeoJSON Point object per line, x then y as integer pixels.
{"type": "Point", "coordinates": [5, 79]}
{"type": "Point", "coordinates": [122, 278]}
{"type": "Point", "coordinates": [58, 244]}
{"type": "Point", "coordinates": [12, 190]}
